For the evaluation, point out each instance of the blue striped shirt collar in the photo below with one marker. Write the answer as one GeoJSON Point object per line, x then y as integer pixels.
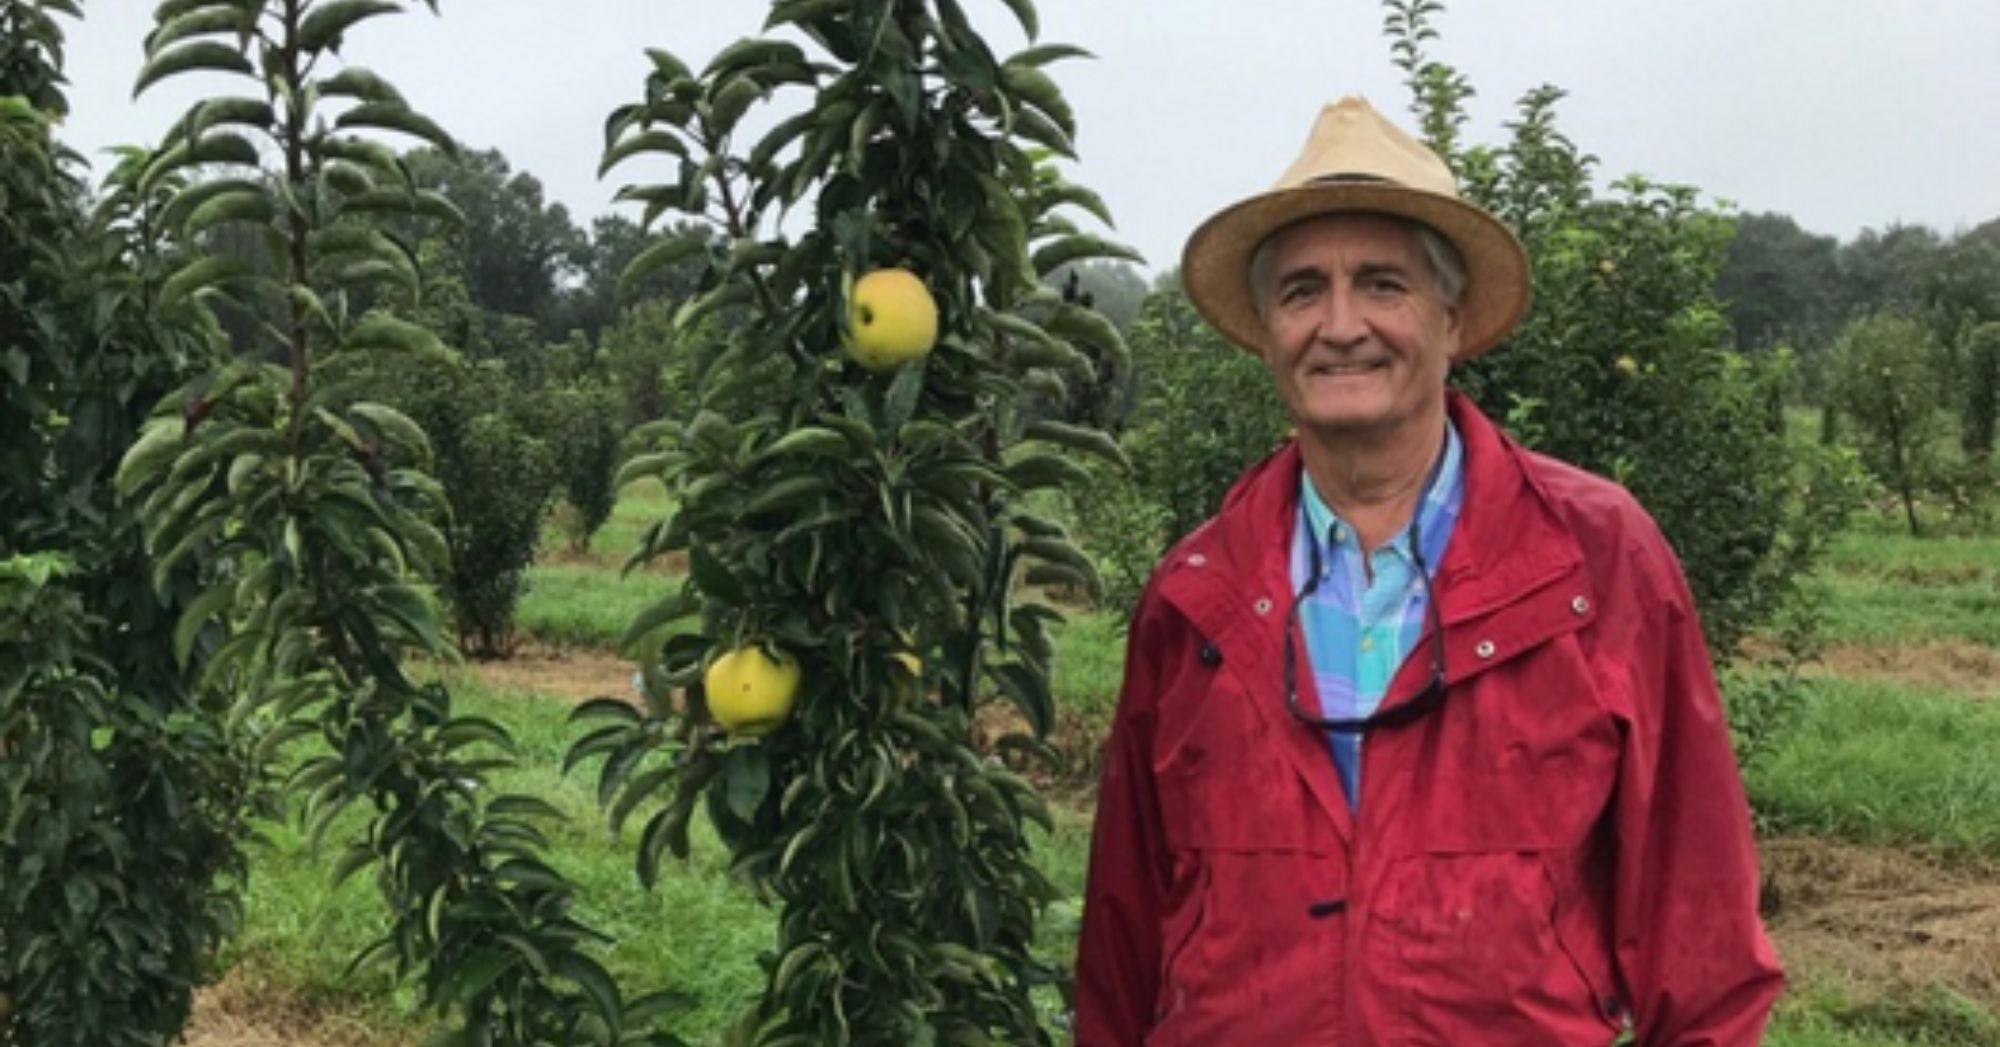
{"type": "Point", "coordinates": [1436, 512]}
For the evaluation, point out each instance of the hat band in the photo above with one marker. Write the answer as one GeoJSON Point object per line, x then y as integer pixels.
{"type": "Point", "coordinates": [1350, 176]}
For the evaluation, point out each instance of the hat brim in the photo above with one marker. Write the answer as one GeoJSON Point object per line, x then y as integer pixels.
{"type": "Point", "coordinates": [1215, 267]}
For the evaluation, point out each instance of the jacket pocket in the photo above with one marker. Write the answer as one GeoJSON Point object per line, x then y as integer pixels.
{"type": "Point", "coordinates": [1180, 931]}
{"type": "Point", "coordinates": [1464, 948]}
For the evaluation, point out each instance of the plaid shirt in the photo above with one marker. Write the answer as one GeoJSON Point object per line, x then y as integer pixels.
{"type": "Point", "coordinates": [1356, 633]}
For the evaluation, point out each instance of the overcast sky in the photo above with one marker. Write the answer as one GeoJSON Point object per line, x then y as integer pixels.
{"type": "Point", "coordinates": [1843, 113]}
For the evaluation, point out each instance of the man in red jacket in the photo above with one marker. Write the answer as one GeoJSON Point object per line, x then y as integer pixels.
{"type": "Point", "coordinates": [1418, 742]}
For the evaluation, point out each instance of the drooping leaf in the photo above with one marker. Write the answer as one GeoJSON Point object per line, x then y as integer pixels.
{"type": "Point", "coordinates": [200, 54]}
{"type": "Point", "coordinates": [324, 25]}
{"type": "Point", "coordinates": [391, 116]}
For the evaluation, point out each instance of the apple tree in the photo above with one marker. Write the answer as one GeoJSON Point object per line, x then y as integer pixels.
{"type": "Point", "coordinates": [312, 526]}
{"type": "Point", "coordinates": [873, 527]}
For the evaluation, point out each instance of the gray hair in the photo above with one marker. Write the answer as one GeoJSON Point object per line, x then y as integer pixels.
{"type": "Point", "coordinates": [1441, 257]}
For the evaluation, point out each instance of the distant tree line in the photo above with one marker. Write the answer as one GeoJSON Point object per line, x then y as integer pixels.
{"type": "Point", "coordinates": [1895, 336]}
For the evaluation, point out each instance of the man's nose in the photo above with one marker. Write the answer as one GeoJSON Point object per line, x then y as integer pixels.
{"type": "Point", "coordinates": [1340, 320]}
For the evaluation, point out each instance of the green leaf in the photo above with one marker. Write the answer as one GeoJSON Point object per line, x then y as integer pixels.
{"type": "Point", "coordinates": [325, 23]}
{"type": "Point", "coordinates": [1079, 438]}
{"type": "Point", "coordinates": [356, 82]}
{"type": "Point", "coordinates": [665, 66]}
{"type": "Point", "coordinates": [660, 255]}
{"type": "Point", "coordinates": [356, 858]}
{"type": "Point", "coordinates": [1045, 470]}
{"type": "Point", "coordinates": [1046, 53]}
{"type": "Point", "coordinates": [1024, 10]}
{"type": "Point", "coordinates": [221, 18]}
{"type": "Point", "coordinates": [198, 613]}
{"type": "Point", "coordinates": [591, 977]}
{"type": "Point", "coordinates": [746, 780]}
{"type": "Point", "coordinates": [382, 331]}
{"type": "Point", "coordinates": [246, 112]}
{"type": "Point", "coordinates": [644, 142]}
{"type": "Point", "coordinates": [240, 205]}
{"type": "Point", "coordinates": [1050, 257]}
{"type": "Point", "coordinates": [201, 54]}
{"type": "Point", "coordinates": [468, 730]}
{"type": "Point", "coordinates": [196, 275]}
{"type": "Point", "coordinates": [1080, 196]}
{"type": "Point", "coordinates": [660, 614]}
{"type": "Point", "coordinates": [752, 51]}
{"type": "Point", "coordinates": [472, 976]}
{"type": "Point", "coordinates": [901, 400]}
{"type": "Point", "coordinates": [711, 577]}
{"type": "Point", "coordinates": [392, 116]}
{"type": "Point", "coordinates": [731, 102]}
{"type": "Point", "coordinates": [401, 431]}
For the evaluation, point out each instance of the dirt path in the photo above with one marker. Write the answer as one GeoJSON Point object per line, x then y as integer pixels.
{"type": "Point", "coordinates": [574, 674]}
{"type": "Point", "coordinates": [240, 1012]}
{"type": "Point", "coordinates": [1969, 668]}
{"type": "Point", "coordinates": [1898, 923]}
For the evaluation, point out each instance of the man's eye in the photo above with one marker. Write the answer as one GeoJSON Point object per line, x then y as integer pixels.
{"type": "Point", "coordinates": [1384, 285]}
{"type": "Point", "coordinates": [1295, 293]}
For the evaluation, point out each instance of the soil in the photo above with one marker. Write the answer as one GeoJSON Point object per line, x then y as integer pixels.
{"type": "Point", "coordinates": [574, 674]}
{"type": "Point", "coordinates": [237, 1013]}
{"type": "Point", "coordinates": [1970, 668]}
{"type": "Point", "coordinates": [1891, 923]}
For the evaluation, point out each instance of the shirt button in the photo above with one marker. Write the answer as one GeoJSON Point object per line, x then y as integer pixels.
{"type": "Point", "coordinates": [1484, 650]}
{"type": "Point", "coordinates": [1580, 605]}
{"type": "Point", "coordinates": [1368, 643]}
{"type": "Point", "coordinates": [1197, 560]}
{"type": "Point", "coordinates": [1263, 605]}
{"type": "Point", "coordinates": [1210, 656]}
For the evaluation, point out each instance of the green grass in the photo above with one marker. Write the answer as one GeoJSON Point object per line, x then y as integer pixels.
{"type": "Point", "coordinates": [698, 932]}
{"type": "Point", "coordinates": [1883, 763]}
{"type": "Point", "coordinates": [1089, 663]}
{"type": "Point", "coordinates": [640, 505]}
{"type": "Point", "coordinates": [586, 605]}
{"type": "Point", "coordinates": [1862, 610]}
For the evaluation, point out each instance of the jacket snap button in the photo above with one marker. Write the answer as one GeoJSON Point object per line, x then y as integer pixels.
{"type": "Point", "coordinates": [1580, 605]}
{"type": "Point", "coordinates": [1484, 650]}
{"type": "Point", "coordinates": [1263, 605]}
{"type": "Point", "coordinates": [1210, 656]}
{"type": "Point", "coordinates": [1197, 560]}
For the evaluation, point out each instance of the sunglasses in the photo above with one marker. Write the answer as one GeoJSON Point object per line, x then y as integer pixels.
{"type": "Point", "coordinates": [1426, 701]}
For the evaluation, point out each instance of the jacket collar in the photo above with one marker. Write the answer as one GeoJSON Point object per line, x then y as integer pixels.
{"type": "Point", "coordinates": [1510, 552]}
{"type": "Point", "coordinates": [1509, 540]}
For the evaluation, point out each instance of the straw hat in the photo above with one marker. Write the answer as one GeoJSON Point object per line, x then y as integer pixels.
{"type": "Point", "coordinates": [1357, 161]}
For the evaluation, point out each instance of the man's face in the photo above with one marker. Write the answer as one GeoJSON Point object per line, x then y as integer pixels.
{"type": "Point", "coordinates": [1357, 336]}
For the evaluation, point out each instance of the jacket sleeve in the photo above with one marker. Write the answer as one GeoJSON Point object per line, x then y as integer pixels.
{"type": "Point", "coordinates": [1689, 942]}
{"type": "Point", "coordinates": [1118, 957]}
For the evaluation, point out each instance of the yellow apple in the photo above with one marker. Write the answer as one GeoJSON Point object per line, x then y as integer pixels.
{"type": "Point", "coordinates": [750, 693]}
{"type": "Point", "coordinates": [891, 319]}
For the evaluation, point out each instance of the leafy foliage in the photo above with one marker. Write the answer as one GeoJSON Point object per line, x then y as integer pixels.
{"type": "Point", "coordinates": [1205, 410]}
{"type": "Point", "coordinates": [579, 422]}
{"type": "Point", "coordinates": [123, 794]}
{"type": "Point", "coordinates": [1623, 366]}
{"type": "Point", "coordinates": [1982, 387]}
{"type": "Point", "coordinates": [866, 525]}
{"type": "Point", "coordinates": [307, 515]}
{"type": "Point", "coordinates": [1885, 380]}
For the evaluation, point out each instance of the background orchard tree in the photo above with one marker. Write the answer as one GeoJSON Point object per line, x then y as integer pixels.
{"type": "Point", "coordinates": [874, 527]}
{"type": "Point", "coordinates": [310, 519]}
{"type": "Point", "coordinates": [1623, 365]}
{"type": "Point", "coordinates": [1885, 381]}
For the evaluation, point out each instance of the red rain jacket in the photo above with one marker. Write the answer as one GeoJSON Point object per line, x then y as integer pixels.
{"type": "Point", "coordinates": [1560, 849]}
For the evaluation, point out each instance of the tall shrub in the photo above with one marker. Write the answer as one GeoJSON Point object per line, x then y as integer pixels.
{"type": "Point", "coordinates": [872, 526]}
{"type": "Point", "coordinates": [1623, 365]}
{"type": "Point", "coordinates": [308, 517]}
{"type": "Point", "coordinates": [122, 793]}
{"type": "Point", "coordinates": [1885, 381]}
